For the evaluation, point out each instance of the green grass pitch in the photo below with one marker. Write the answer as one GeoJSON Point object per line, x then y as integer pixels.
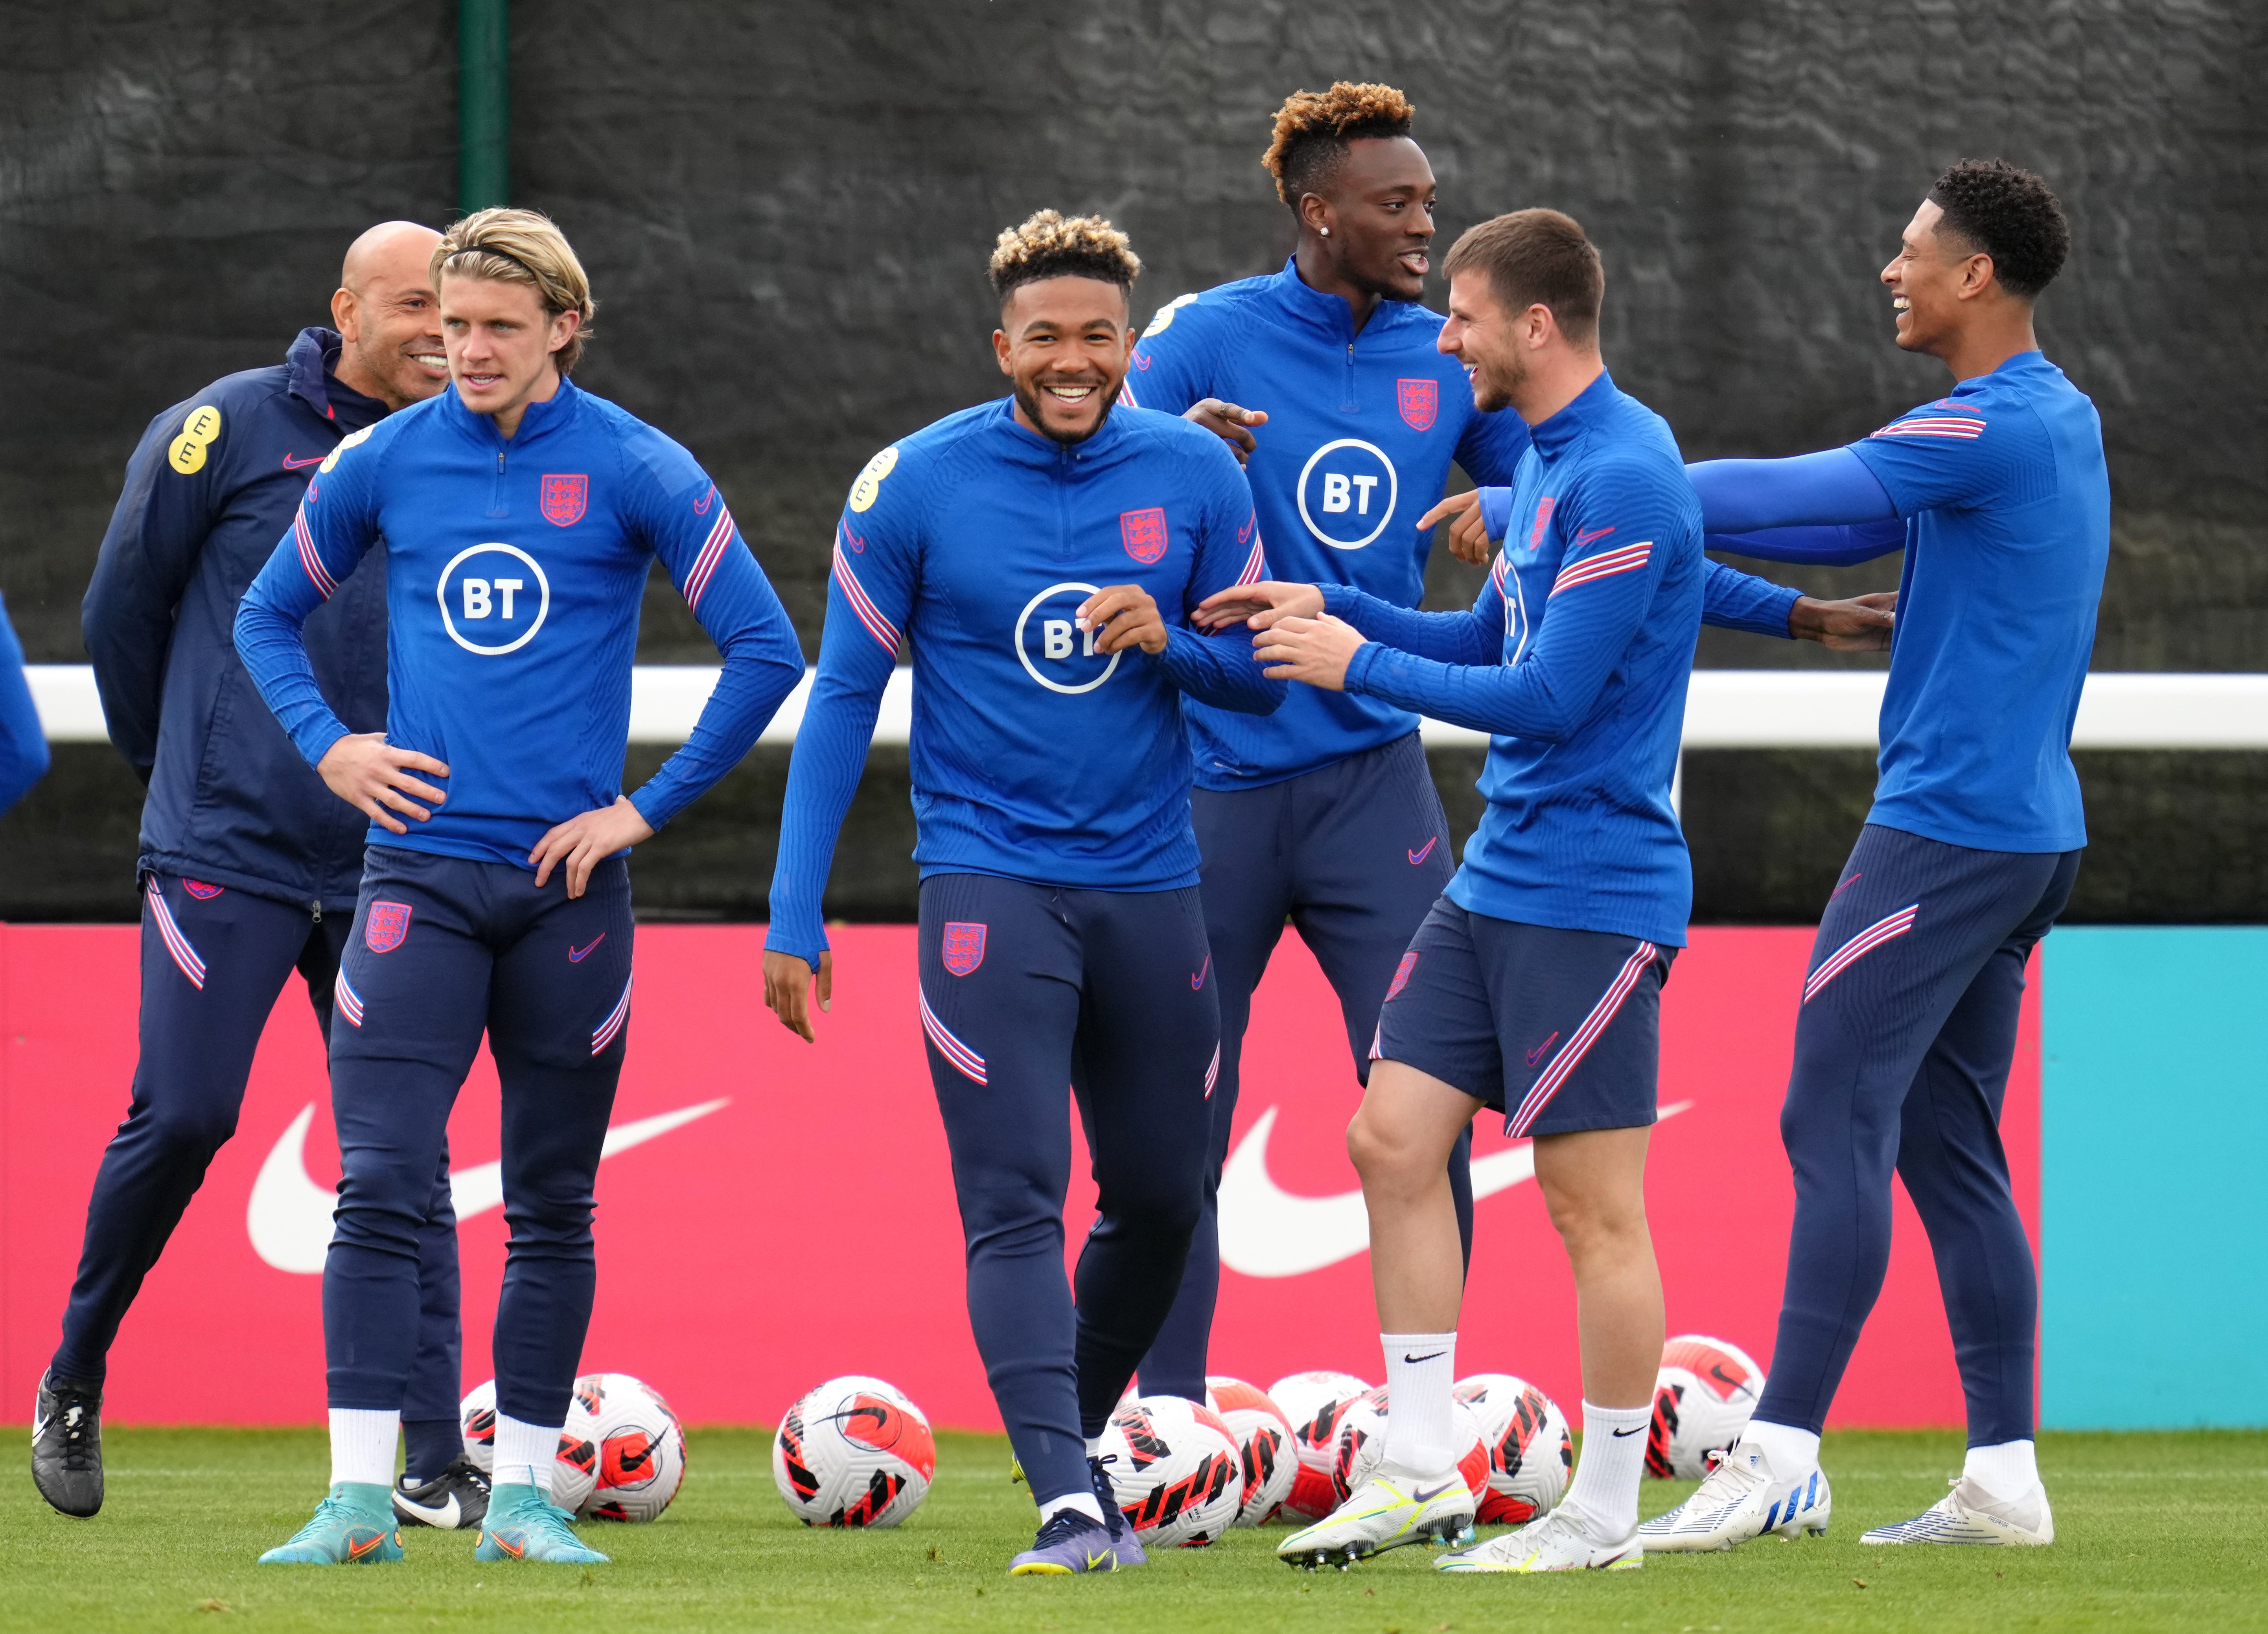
{"type": "Point", "coordinates": [2157, 1532]}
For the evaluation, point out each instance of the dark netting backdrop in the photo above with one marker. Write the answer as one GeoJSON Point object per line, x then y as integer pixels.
{"type": "Point", "coordinates": [786, 209]}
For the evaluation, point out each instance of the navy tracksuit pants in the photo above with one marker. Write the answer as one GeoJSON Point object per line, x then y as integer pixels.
{"type": "Point", "coordinates": [443, 951]}
{"type": "Point", "coordinates": [1903, 1050]}
{"type": "Point", "coordinates": [213, 961]}
{"type": "Point", "coordinates": [1354, 855]}
{"type": "Point", "coordinates": [1032, 994]}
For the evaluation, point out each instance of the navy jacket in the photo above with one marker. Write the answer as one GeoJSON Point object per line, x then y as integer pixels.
{"type": "Point", "coordinates": [213, 484]}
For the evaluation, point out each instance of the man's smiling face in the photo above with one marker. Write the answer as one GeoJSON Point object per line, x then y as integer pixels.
{"type": "Point", "coordinates": [1064, 343]}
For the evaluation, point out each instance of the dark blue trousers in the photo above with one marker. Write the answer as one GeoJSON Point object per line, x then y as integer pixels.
{"type": "Point", "coordinates": [1032, 994]}
{"type": "Point", "coordinates": [1353, 854]}
{"type": "Point", "coordinates": [444, 950]}
{"type": "Point", "coordinates": [213, 963]}
{"type": "Point", "coordinates": [1902, 1055]}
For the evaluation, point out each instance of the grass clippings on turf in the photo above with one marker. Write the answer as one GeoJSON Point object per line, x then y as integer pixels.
{"type": "Point", "coordinates": [2155, 1532]}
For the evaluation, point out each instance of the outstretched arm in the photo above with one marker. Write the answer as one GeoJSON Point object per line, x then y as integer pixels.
{"type": "Point", "coordinates": [1831, 487]}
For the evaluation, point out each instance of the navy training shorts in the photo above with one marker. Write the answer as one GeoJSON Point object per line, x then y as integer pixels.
{"type": "Point", "coordinates": [1558, 1030]}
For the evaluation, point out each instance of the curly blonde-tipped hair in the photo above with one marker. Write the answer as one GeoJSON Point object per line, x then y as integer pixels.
{"type": "Point", "coordinates": [1049, 244]}
{"type": "Point", "coordinates": [1313, 129]}
{"type": "Point", "coordinates": [521, 247]}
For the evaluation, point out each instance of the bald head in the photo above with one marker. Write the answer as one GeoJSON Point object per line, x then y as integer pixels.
{"type": "Point", "coordinates": [387, 318]}
{"type": "Point", "coordinates": [399, 250]}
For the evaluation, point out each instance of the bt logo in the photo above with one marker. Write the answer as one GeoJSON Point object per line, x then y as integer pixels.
{"type": "Point", "coordinates": [1048, 623]}
{"type": "Point", "coordinates": [1347, 490]}
{"type": "Point", "coordinates": [505, 597]}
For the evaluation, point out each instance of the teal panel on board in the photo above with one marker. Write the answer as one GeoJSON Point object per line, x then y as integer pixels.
{"type": "Point", "coordinates": [2153, 1197]}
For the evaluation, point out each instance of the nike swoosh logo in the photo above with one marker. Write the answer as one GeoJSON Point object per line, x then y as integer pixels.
{"type": "Point", "coordinates": [1846, 885]}
{"type": "Point", "coordinates": [1420, 855]}
{"type": "Point", "coordinates": [290, 464]}
{"type": "Point", "coordinates": [516, 1550]}
{"type": "Point", "coordinates": [1196, 981]}
{"type": "Point", "coordinates": [444, 1517]}
{"type": "Point", "coordinates": [1619, 1434]}
{"type": "Point", "coordinates": [1583, 539]}
{"type": "Point", "coordinates": [288, 1216]}
{"type": "Point", "coordinates": [1536, 1053]}
{"type": "Point", "coordinates": [1268, 1232]}
{"type": "Point", "coordinates": [576, 958]}
{"type": "Point", "coordinates": [356, 1551]}
{"type": "Point", "coordinates": [1424, 1497]}
{"type": "Point", "coordinates": [1428, 1357]}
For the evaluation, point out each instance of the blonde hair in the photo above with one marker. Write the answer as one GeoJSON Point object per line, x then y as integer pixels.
{"type": "Point", "coordinates": [521, 247]}
{"type": "Point", "coordinates": [1313, 127]}
{"type": "Point", "coordinates": [1048, 244]}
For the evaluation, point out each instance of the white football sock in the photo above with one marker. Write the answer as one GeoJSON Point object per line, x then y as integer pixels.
{"type": "Point", "coordinates": [2008, 1471]}
{"type": "Point", "coordinates": [363, 1439]}
{"type": "Point", "coordinates": [1095, 1446]}
{"type": "Point", "coordinates": [1605, 1487]}
{"type": "Point", "coordinates": [1789, 1451]}
{"type": "Point", "coordinates": [525, 1452]}
{"type": "Point", "coordinates": [1421, 1368]}
{"type": "Point", "coordinates": [1083, 1502]}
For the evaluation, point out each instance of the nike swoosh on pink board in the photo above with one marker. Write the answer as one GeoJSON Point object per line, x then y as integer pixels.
{"type": "Point", "coordinates": [288, 1216]}
{"type": "Point", "coordinates": [1268, 1232]}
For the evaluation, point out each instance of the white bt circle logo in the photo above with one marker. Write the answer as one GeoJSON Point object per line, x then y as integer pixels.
{"type": "Point", "coordinates": [1053, 649]}
{"type": "Point", "coordinates": [1347, 491]}
{"type": "Point", "coordinates": [505, 598]}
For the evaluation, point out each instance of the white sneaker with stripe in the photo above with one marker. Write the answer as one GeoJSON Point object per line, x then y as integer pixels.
{"type": "Point", "coordinates": [1558, 1542]}
{"type": "Point", "coordinates": [1742, 1498]}
{"type": "Point", "coordinates": [1970, 1514]}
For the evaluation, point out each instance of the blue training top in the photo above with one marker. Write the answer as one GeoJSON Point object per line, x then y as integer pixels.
{"type": "Point", "coordinates": [516, 570]}
{"type": "Point", "coordinates": [23, 741]}
{"type": "Point", "coordinates": [1033, 757]}
{"type": "Point", "coordinates": [2006, 502]}
{"type": "Point", "coordinates": [2007, 505]}
{"type": "Point", "coordinates": [1574, 659]}
{"type": "Point", "coordinates": [1361, 428]}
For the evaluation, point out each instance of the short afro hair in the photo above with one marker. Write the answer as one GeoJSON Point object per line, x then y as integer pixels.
{"type": "Point", "coordinates": [2008, 214]}
{"type": "Point", "coordinates": [1313, 129]}
{"type": "Point", "coordinates": [1051, 244]}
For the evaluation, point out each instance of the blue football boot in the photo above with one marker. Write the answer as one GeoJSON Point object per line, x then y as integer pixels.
{"type": "Point", "coordinates": [353, 1527]}
{"type": "Point", "coordinates": [524, 1524]}
{"type": "Point", "coordinates": [1069, 1543]}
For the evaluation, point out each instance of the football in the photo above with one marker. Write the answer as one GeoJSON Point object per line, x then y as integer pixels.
{"type": "Point", "coordinates": [1361, 1444]}
{"type": "Point", "coordinates": [575, 1470]}
{"type": "Point", "coordinates": [853, 1452]}
{"type": "Point", "coordinates": [1174, 1469]}
{"type": "Point", "coordinates": [1531, 1454]}
{"type": "Point", "coordinates": [1702, 1400]}
{"type": "Point", "coordinates": [641, 1447]}
{"type": "Point", "coordinates": [1263, 1446]}
{"type": "Point", "coordinates": [476, 1418]}
{"type": "Point", "coordinates": [1312, 1403]}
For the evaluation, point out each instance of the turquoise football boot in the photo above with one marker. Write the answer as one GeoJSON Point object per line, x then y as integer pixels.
{"type": "Point", "coordinates": [353, 1527]}
{"type": "Point", "coordinates": [524, 1524]}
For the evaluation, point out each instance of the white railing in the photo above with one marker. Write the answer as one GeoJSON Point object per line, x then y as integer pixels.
{"type": "Point", "coordinates": [1726, 708]}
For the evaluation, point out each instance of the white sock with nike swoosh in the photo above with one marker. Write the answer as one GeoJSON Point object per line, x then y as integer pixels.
{"type": "Point", "coordinates": [1605, 1490]}
{"type": "Point", "coordinates": [1421, 1369]}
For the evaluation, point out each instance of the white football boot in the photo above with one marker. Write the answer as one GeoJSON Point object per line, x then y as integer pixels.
{"type": "Point", "coordinates": [1970, 1514]}
{"type": "Point", "coordinates": [1386, 1511]}
{"type": "Point", "coordinates": [1559, 1541]}
{"type": "Point", "coordinates": [1742, 1498]}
